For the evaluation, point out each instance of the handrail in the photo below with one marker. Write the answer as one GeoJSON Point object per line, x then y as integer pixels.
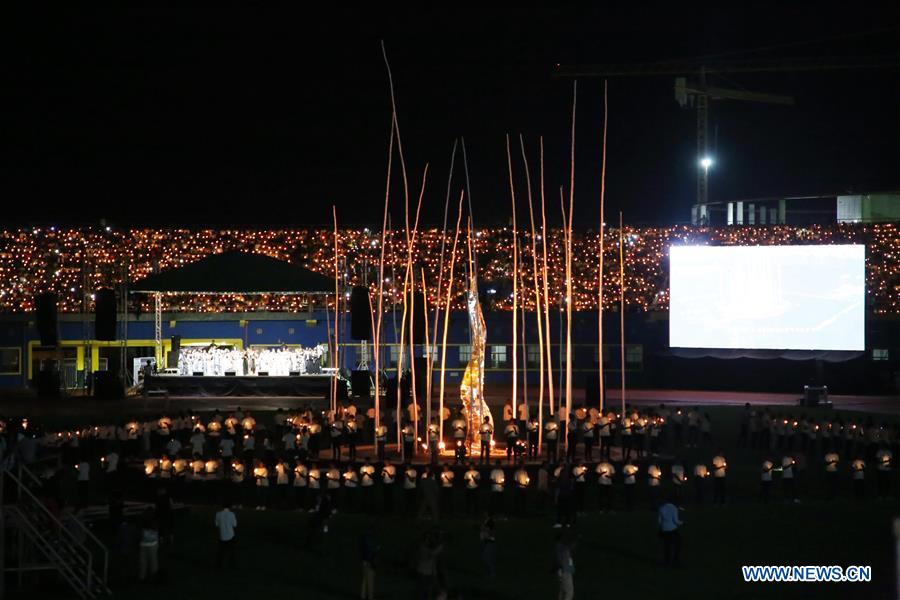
{"type": "Point", "coordinates": [73, 540]}
{"type": "Point", "coordinates": [84, 528]}
{"type": "Point", "coordinates": [61, 565]}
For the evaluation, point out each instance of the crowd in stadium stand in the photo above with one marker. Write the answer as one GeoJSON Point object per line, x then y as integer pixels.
{"type": "Point", "coordinates": [75, 262]}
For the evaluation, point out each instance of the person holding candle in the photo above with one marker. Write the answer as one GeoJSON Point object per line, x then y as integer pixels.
{"type": "Point", "coordinates": [858, 470]}
{"type": "Point", "coordinates": [300, 484]}
{"type": "Point", "coordinates": [498, 483]}
{"type": "Point", "coordinates": [522, 481]}
{"type": "Point", "coordinates": [700, 475]}
{"type": "Point", "coordinates": [579, 474]}
{"type": "Point", "coordinates": [571, 437]}
{"type": "Point", "coordinates": [831, 473]}
{"type": "Point", "coordinates": [765, 480]}
{"type": "Point", "coordinates": [410, 480]}
{"type": "Point", "coordinates": [433, 436]}
{"type": "Point", "coordinates": [459, 429]}
{"type": "Point", "coordinates": [380, 440]}
{"type": "Point", "coordinates": [654, 479]}
{"type": "Point", "coordinates": [884, 458]}
{"type": "Point", "coordinates": [551, 435]}
{"type": "Point", "coordinates": [261, 479]}
{"type": "Point", "coordinates": [678, 480]}
{"type": "Point", "coordinates": [605, 435]}
{"type": "Point", "coordinates": [351, 484]}
{"type": "Point", "coordinates": [408, 431]}
{"type": "Point", "coordinates": [367, 485]}
{"type": "Point", "coordinates": [351, 432]}
{"type": "Point", "coordinates": [629, 471]}
{"type": "Point", "coordinates": [587, 435]}
{"type": "Point", "coordinates": [388, 476]}
{"type": "Point", "coordinates": [787, 478]}
{"type": "Point", "coordinates": [532, 428]}
{"type": "Point", "coordinates": [605, 472]}
{"type": "Point", "coordinates": [626, 430]}
{"type": "Point", "coordinates": [446, 477]}
{"type": "Point", "coordinates": [333, 485]}
{"type": "Point", "coordinates": [719, 467]}
{"type": "Point", "coordinates": [336, 432]}
{"type": "Point", "coordinates": [472, 478]}
{"type": "Point", "coordinates": [511, 432]}
{"type": "Point", "coordinates": [486, 435]}
{"type": "Point", "coordinates": [565, 565]}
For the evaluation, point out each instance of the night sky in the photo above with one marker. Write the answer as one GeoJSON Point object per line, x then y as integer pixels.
{"type": "Point", "coordinates": [264, 116]}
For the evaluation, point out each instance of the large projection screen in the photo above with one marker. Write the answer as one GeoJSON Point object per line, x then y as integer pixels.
{"type": "Point", "coordinates": [767, 297]}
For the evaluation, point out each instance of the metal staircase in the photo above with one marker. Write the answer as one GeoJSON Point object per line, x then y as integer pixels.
{"type": "Point", "coordinates": [44, 542]}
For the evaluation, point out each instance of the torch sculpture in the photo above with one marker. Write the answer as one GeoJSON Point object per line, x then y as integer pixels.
{"type": "Point", "coordinates": [472, 387]}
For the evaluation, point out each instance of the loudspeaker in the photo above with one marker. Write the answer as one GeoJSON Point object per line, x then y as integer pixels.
{"type": "Point", "coordinates": [172, 357]}
{"type": "Point", "coordinates": [417, 319]}
{"type": "Point", "coordinates": [360, 383]}
{"type": "Point", "coordinates": [108, 386]}
{"type": "Point", "coordinates": [813, 395]}
{"type": "Point", "coordinates": [105, 314]}
{"type": "Point", "coordinates": [197, 373]}
{"type": "Point", "coordinates": [47, 383]}
{"type": "Point", "coordinates": [230, 373]}
{"type": "Point", "coordinates": [360, 314]}
{"type": "Point", "coordinates": [46, 318]}
{"type": "Point", "coordinates": [262, 374]}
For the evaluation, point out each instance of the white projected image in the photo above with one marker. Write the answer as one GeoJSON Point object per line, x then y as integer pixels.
{"type": "Point", "coordinates": [767, 297]}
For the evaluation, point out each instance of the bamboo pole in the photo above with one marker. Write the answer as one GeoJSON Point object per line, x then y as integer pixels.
{"type": "Point", "coordinates": [622, 310]}
{"type": "Point", "coordinates": [337, 312]}
{"type": "Point", "coordinates": [377, 336]}
{"type": "Point", "coordinates": [437, 294]}
{"type": "Point", "coordinates": [447, 312]}
{"type": "Point", "coordinates": [515, 278]}
{"type": "Point", "coordinates": [550, 399]}
{"type": "Point", "coordinates": [408, 280]}
{"type": "Point", "coordinates": [427, 358]}
{"type": "Point", "coordinates": [600, 268]}
{"type": "Point", "coordinates": [537, 298]}
{"type": "Point", "coordinates": [569, 301]}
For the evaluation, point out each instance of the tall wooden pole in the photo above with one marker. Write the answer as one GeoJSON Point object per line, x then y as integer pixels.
{"type": "Point", "coordinates": [622, 309]}
{"type": "Point", "coordinates": [600, 269]}
{"type": "Point", "coordinates": [545, 278]}
{"type": "Point", "coordinates": [569, 300]}
{"type": "Point", "coordinates": [377, 336]}
{"type": "Point", "coordinates": [515, 279]}
{"type": "Point", "coordinates": [337, 312]}
{"type": "Point", "coordinates": [537, 298]}
{"type": "Point", "coordinates": [447, 312]}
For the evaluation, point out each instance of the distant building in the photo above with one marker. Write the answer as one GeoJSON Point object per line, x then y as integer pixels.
{"type": "Point", "coordinates": [878, 207]}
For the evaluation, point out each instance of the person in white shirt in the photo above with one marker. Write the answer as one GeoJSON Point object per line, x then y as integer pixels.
{"type": "Point", "coordinates": [719, 467]}
{"type": "Point", "coordinates": [83, 482]}
{"type": "Point", "coordinates": [498, 484]}
{"type": "Point", "coordinates": [511, 433]}
{"type": "Point", "coordinates": [522, 482]}
{"type": "Point", "coordinates": [388, 479]}
{"type": "Point", "coordinates": [551, 437]}
{"type": "Point", "coordinates": [226, 523]}
{"type": "Point", "coordinates": [410, 485]}
{"type": "Point", "coordinates": [446, 482]}
{"type": "Point", "coordinates": [459, 428]}
{"type": "Point", "coordinates": [858, 471]}
{"type": "Point", "coordinates": [301, 481]}
{"type": "Point", "coordinates": [884, 460]}
{"type": "Point", "coordinates": [787, 478]}
{"type": "Point", "coordinates": [579, 479]}
{"type": "Point", "coordinates": [367, 485]}
{"type": "Point", "coordinates": [700, 475]}
{"type": "Point", "coordinates": [765, 480]}
{"type": "Point", "coordinates": [351, 483]}
{"type": "Point", "coordinates": [654, 480]}
{"type": "Point", "coordinates": [678, 480]}
{"type": "Point", "coordinates": [198, 443]}
{"type": "Point", "coordinates": [380, 440]}
{"type": "Point", "coordinates": [832, 460]}
{"type": "Point", "coordinates": [472, 478]}
{"type": "Point", "coordinates": [532, 430]}
{"type": "Point", "coordinates": [486, 434]}
{"type": "Point", "coordinates": [629, 472]}
{"type": "Point", "coordinates": [605, 472]}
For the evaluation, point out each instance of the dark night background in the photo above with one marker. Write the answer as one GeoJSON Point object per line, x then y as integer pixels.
{"type": "Point", "coordinates": [260, 115]}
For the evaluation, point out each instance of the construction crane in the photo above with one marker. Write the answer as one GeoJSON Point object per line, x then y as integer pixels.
{"type": "Point", "coordinates": [696, 92]}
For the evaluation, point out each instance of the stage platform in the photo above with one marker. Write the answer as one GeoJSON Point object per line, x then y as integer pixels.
{"type": "Point", "coordinates": [304, 386]}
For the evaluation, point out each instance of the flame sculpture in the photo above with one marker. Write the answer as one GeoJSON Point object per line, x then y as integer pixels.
{"type": "Point", "coordinates": [472, 387]}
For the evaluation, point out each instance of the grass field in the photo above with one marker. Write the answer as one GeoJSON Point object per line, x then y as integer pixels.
{"type": "Point", "coordinates": [618, 554]}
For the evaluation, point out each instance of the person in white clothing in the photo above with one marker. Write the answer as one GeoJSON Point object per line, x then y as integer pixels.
{"type": "Point", "coordinates": [226, 523]}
